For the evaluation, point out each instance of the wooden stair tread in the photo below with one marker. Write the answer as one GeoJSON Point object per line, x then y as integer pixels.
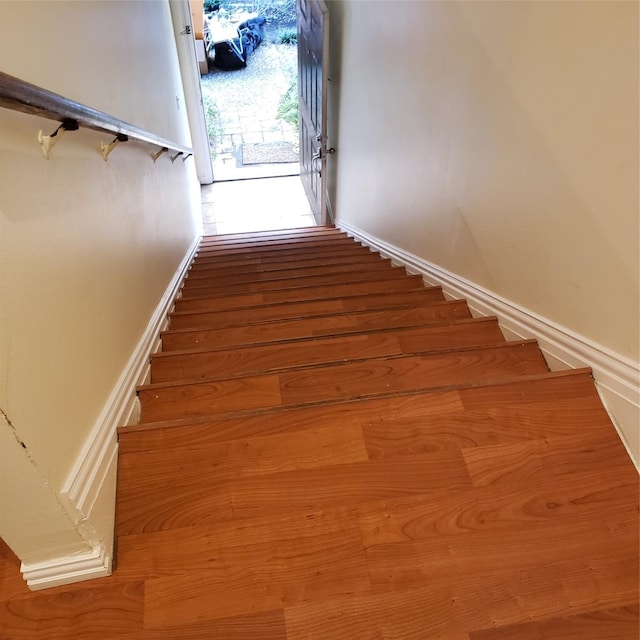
{"type": "Point", "coordinates": [219, 289]}
{"type": "Point", "coordinates": [325, 382]}
{"type": "Point", "coordinates": [257, 487]}
{"type": "Point", "coordinates": [276, 233]}
{"type": "Point", "coordinates": [300, 254]}
{"type": "Point", "coordinates": [232, 276]}
{"type": "Point", "coordinates": [274, 242]}
{"type": "Point", "coordinates": [335, 324]}
{"type": "Point", "coordinates": [573, 387]}
{"type": "Point", "coordinates": [267, 333]}
{"type": "Point", "coordinates": [299, 294]}
{"type": "Point", "coordinates": [191, 364]}
{"type": "Point", "coordinates": [617, 622]}
{"type": "Point", "coordinates": [271, 312]}
{"type": "Point", "coordinates": [275, 249]}
{"type": "Point", "coordinates": [331, 445]}
{"type": "Point", "coordinates": [256, 264]}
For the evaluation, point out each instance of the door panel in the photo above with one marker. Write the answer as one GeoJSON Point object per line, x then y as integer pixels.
{"type": "Point", "coordinates": [312, 95]}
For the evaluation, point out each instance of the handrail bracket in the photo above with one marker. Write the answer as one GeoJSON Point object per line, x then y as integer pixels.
{"type": "Point", "coordinates": [47, 142]}
{"type": "Point", "coordinates": [106, 149]}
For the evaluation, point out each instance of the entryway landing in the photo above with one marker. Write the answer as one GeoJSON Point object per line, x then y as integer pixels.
{"type": "Point", "coordinates": [240, 206]}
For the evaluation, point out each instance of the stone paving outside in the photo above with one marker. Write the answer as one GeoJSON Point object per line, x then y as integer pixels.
{"type": "Point", "coordinates": [242, 107]}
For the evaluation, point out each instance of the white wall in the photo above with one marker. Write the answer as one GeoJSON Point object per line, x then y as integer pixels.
{"type": "Point", "coordinates": [499, 141]}
{"type": "Point", "coordinates": [87, 248]}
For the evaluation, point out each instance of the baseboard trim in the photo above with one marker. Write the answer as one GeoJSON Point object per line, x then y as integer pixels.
{"type": "Point", "coordinates": [67, 570]}
{"type": "Point", "coordinates": [616, 376]}
{"type": "Point", "coordinates": [88, 493]}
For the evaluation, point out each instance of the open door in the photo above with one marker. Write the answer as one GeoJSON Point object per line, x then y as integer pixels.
{"type": "Point", "coordinates": [313, 46]}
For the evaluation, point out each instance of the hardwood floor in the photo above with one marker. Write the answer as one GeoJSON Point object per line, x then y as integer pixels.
{"type": "Point", "coordinates": [329, 450]}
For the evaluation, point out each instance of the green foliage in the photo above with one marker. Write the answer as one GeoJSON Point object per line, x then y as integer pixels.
{"type": "Point", "coordinates": [289, 36]}
{"type": "Point", "coordinates": [288, 105]}
{"type": "Point", "coordinates": [276, 10]}
{"type": "Point", "coordinates": [215, 5]}
{"type": "Point", "coordinates": [212, 117]}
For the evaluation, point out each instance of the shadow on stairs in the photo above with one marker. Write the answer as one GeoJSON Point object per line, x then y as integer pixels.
{"type": "Point", "coordinates": [330, 449]}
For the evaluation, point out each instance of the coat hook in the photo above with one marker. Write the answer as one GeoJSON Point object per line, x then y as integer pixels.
{"type": "Point", "coordinates": [187, 156]}
{"type": "Point", "coordinates": [156, 155]}
{"type": "Point", "coordinates": [47, 142]}
{"type": "Point", "coordinates": [174, 158]}
{"type": "Point", "coordinates": [106, 149]}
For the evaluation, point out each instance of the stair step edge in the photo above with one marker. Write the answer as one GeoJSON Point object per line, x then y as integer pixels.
{"type": "Point", "coordinates": [402, 278]}
{"type": "Point", "coordinates": [182, 422]}
{"type": "Point", "coordinates": [499, 345]}
{"type": "Point", "coordinates": [211, 281]}
{"type": "Point", "coordinates": [251, 373]}
{"type": "Point", "coordinates": [359, 332]}
{"type": "Point", "coordinates": [433, 289]}
{"type": "Point", "coordinates": [288, 284]}
{"type": "Point", "coordinates": [272, 233]}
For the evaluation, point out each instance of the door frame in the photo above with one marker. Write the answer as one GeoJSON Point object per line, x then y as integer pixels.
{"type": "Point", "coordinates": [190, 72]}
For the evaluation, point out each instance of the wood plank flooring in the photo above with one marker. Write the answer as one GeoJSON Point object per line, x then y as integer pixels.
{"type": "Point", "coordinates": [330, 450]}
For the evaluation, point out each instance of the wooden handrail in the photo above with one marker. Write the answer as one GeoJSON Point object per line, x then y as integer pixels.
{"type": "Point", "coordinates": [22, 96]}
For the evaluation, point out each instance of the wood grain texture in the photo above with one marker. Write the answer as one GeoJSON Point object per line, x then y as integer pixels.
{"type": "Point", "coordinates": [288, 310]}
{"type": "Point", "coordinates": [274, 261]}
{"type": "Point", "coordinates": [221, 396]}
{"type": "Point", "coordinates": [298, 294]}
{"type": "Point", "coordinates": [273, 247]}
{"type": "Point", "coordinates": [260, 358]}
{"type": "Point", "coordinates": [290, 328]}
{"type": "Point", "coordinates": [209, 429]}
{"type": "Point", "coordinates": [408, 564]}
{"type": "Point", "coordinates": [304, 449]}
{"type": "Point", "coordinates": [94, 613]}
{"type": "Point", "coordinates": [460, 604]}
{"type": "Point", "coordinates": [500, 508]}
{"type": "Point", "coordinates": [377, 375]}
{"type": "Point", "coordinates": [360, 465]}
{"type": "Point", "coordinates": [610, 624]}
{"type": "Point", "coordinates": [475, 428]}
{"type": "Point", "coordinates": [423, 312]}
{"type": "Point", "coordinates": [285, 270]}
{"type": "Point", "coordinates": [267, 625]}
{"type": "Point", "coordinates": [515, 395]}
{"type": "Point", "coordinates": [164, 401]}
{"type": "Point", "coordinates": [272, 575]}
{"type": "Point", "coordinates": [540, 458]}
{"type": "Point", "coordinates": [278, 251]}
{"type": "Point", "coordinates": [213, 288]}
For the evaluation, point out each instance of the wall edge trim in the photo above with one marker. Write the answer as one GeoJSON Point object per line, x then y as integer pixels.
{"type": "Point", "coordinates": [616, 376]}
{"type": "Point", "coordinates": [95, 563]}
{"type": "Point", "coordinates": [95, 465]}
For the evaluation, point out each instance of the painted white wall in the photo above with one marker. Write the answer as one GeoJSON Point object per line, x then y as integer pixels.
{"type": "Point", "coordinates": [87, 248]}
{"type": "Point", "coordinates": [496, 145]}
{"type": "Point", "coordinates": [500, 141]}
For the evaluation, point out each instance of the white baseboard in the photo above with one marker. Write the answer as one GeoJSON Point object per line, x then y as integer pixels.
{"type": "Point", "coordinates": [67, 570]}
{"type": "Point", "coordinates": [88, 493]}
{"type": "Point", "coordinates": [617, 378]}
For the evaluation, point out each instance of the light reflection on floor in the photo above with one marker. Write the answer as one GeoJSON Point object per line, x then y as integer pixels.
{"type": "Point", "coordinates": [240, 206]}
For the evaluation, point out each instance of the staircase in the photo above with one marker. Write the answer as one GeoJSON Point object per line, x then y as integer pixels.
{"type": "Point", "coordinates": [330, 450]}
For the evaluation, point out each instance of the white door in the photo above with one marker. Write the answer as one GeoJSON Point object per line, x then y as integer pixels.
{"type": "Point", "coordinates": [313, 40]}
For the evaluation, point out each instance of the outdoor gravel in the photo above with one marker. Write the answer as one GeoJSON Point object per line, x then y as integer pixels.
{"type": "Point", "coordinates": [245, 103]}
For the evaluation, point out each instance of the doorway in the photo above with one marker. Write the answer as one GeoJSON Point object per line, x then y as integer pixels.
{"type": "Point", "coordinates": [249, 90]}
